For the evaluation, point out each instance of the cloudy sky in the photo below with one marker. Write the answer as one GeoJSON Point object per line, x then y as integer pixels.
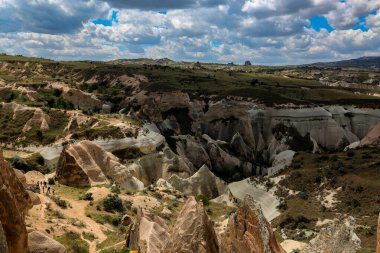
{"type": "Point", "coordinates": [270, 32]}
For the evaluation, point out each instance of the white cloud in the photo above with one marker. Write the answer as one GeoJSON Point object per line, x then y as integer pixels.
{"type": "Point", "coordinates": [263, 31]}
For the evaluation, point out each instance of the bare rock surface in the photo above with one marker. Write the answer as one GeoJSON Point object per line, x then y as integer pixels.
{"type": "Point", "coordinates": [337, 238]}
{"type": "Point", "coordinates": [87, 164]}
{"type": "Point", "coordinates": [203, 182]}
{"type": "Point", "coordinates": [372, 138]}
{"type": "Point", "coordinates": [249, 232]}
{"type": "Point", "coordinates": [41, 243]}
{"type": "Point", "coordinates": [378, 235]}
{"type": "Point", "coordinates": [148, 234]}
{"type": "Point", "coordinates": [193, 231]}
{"type": "Point", "coordinates": [14, 204]}
{"type": "Point", "coordinates": [237, 191]}
{"type": "Point", "coordinates": [281, 162]}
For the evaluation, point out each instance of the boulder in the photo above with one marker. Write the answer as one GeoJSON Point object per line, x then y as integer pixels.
{"type": "Point", "coordinates": [14, 204]}
{"type": "Point", "coordinates": [34, 198]}
{"type": "Point", "coordinates": [249, 232]}
{"type": "Point", "coordinates": [126, 220]}
{"type": "Point", "coordinates": [40, 243]}
{"type": "Point", "coordinates": [87, 164]}
{"type": "Point", "coordinates": [337, 238]}
{"type": "Point", "coordinates": [203, 182]}
{"type": "Point", "coordinates": [148, 234]}
{"type": "Point", "coordinates": [193, 231]}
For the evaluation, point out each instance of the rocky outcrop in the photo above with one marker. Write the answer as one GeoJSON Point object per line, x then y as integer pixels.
{"type": "Point", "coordinates": [337, 238]}
{"type": "Point", "coordinates": [148, 234]}
{"type": "Point", "coordinates": [203, 182]}
{"type": "Point", "coordinates": [40, 243]}
{"type": "Point", "coordinates": [87, 164]}
{"type": "Point", "coordinates": [14, 204]}
{"type": "Point", "coordinates": [165, 164]}
{"type": "Point", "coordinates": [372, 138]}
{"type": "Point", "coordinates": [249, 231]}
{"type": "Point", "coordinates": [378, 235]}
{"type": "Point", "coordinates": [193, 231]}
{"type": "Point", "coordinates": [236, 192]}
{"type": "Point", "coordinates": [193, 152]}
{"type": "Point", "coordinates": [83, 100]}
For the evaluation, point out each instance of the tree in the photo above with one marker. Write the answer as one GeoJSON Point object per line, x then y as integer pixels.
{"type": "Point", "coordinates": [247, 63]}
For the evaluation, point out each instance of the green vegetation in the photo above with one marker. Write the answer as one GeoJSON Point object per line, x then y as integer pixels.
{"type": "Point", "coordinates": [60, 202]}
{"type": "Point", "coordinates": [73, 242]}
{"type": "Point", "coordinates": [355, 173]}
{"type": "Point", "coordinates": [113, 203]}
{"type": "Point", "coordinates": [113, 237]}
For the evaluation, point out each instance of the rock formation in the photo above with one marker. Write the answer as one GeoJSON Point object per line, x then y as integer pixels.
{"type": "Point", "coordinates": [40, 243]}
{"type": "Point", "coordinates": [378, 235]}
{"type": "Point", "coordinates": [14, 204]}
{"type": "Point", "coordinates": [193, 231]}
{"type": "Point", "coordinates": [148, 234]}
{"type": "Point", "coordinates": [203, 182]}
{"type": "Point", "coordinates": [87, 164]}
{"type": "Point", "coordinates": [372, 138]}
{"type": "Point", "coordinates": [249, 232]}
{"type": "Point", "coordinates": [337, 238]}
{"type": "Point", "coordinates": [152, 167]}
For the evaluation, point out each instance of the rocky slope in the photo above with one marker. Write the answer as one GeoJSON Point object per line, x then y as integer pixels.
{"type": "Point", "coordinates": [14, 204]}
{"type": "Point", "coordinates": [249, 232]}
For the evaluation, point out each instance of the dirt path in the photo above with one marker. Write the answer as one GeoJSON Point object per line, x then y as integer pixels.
{"type": "Point", "coordinates": [78, 212]}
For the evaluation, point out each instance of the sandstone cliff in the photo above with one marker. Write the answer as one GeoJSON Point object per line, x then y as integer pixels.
{"type": "Point", "coordinates": [193, 231]}
{"type": "Point", "coordinates": [87, 164]}
{"type": "Point", "coordinates": [14, 204]}
{"type": "Point", "coordinates": [249, 232]}
{"type": "Point", "coordinates": [148, 234]}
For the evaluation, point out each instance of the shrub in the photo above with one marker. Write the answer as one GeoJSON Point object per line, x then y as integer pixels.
{"type": "Point", "coordinates": [113, 203]}
{"type": "Point", "coordinates": [350, 153]}
{"type": "Point", "coordinates": [51, 181]}
{"type": "Point", "coordinates": [20, 164]}
{"type": "Point", "coordinates": [204, 199]}
{"type": "Point", "coordinates": [60, 202]}
{"type": "Point", "coordinates": [86, 196]}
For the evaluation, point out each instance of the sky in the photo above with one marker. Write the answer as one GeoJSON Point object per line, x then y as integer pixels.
{"type": "Point", "coordinates": [270, 32]}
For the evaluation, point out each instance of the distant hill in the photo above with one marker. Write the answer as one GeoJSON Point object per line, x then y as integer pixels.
{"type": "Point", "coordinates": [163, 61]}
{"type": "Point", "coordinates": [362, 62]}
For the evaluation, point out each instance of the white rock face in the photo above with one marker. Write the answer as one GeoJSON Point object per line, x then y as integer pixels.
{"type": "Point", "coordinates": [203, 182]}
{"type": "Point", "coordinates": [148, 139]}
{"type": "Point", "coordinates": [237, 191]}
{"type": "Point", "coordinates": [281, 161]}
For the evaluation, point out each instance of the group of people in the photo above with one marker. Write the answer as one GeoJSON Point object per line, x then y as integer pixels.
{"type": "Point", "coordinates": [44, 185]}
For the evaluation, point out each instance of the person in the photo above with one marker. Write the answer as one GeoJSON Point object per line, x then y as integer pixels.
{"type": "Point", "coordinates": [53, 191]}
{"type": "Point", "coordinates": [45, 183]}
{"type": "Point", "coordinates": [43, 189]}
{"type": "Point", "coordinates": [38, 183]}
{"type": "Point", "coordinates": [48, 190]}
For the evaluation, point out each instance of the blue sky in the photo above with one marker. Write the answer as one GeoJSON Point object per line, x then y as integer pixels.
{"type": "Point", "coordinates": [272, 32]}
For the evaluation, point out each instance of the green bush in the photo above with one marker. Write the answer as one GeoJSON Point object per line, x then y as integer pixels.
{"type": "Point", "coordinates": [204, 199]}
{"type": "Point", "coordinates": [113, 203]}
